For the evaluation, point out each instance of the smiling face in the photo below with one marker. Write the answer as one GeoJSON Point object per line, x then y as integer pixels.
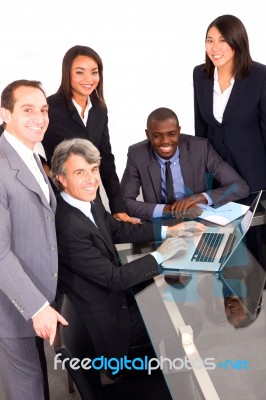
{"type": "Point", "coordinates": [218, 50]}
{"type": "Point", "coordinates": [81, 179]}
{"type": "Point", "coordinates": [164, 137]}
{"type": "Point", "coordinates": [84, 76]}
{"type": "Point", "coordinates": [29, 119]}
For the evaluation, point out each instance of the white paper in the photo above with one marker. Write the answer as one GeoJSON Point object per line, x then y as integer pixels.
{"type": "Point", "coordinates": [224, 214]}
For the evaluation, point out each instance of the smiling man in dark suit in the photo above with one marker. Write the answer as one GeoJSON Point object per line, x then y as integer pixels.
{"type": "Point", "coordinates": [194, 165]}
{"type": "Point", "coordinates": [89, 268]}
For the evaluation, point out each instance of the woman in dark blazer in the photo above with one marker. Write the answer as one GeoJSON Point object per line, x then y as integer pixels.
{"type": "Point", "coordinates": [230, 100]}
{"type": "Point", "coordinates": [78, 109]}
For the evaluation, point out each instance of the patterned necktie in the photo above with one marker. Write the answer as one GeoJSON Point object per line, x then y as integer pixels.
{"type": "Point", "coordinates": [169, 183]}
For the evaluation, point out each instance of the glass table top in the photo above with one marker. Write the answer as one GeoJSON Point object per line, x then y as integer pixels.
{"type": "Point", "coordinates": [209, 329]}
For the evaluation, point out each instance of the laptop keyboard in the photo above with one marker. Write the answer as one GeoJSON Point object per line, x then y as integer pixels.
{"type": "Point", "coordinates": [207, 247]}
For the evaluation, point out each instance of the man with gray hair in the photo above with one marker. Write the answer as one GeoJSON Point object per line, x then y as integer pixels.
{"type": "Point", "coordinates": [90, 271]}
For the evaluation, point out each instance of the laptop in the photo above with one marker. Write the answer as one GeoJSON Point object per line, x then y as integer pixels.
{"type": "Point", "coordinates": [209, 251]}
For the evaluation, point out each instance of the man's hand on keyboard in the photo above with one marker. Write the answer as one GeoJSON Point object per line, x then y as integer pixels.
{"type": "Point", "coordinates": [171, 246]}
{"type": "Point", "coordinates": [185, 229]}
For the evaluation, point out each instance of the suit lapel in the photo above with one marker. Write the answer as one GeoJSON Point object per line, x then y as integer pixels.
{"type": "Point", "coordinates": [93, 120]}
{"type": "Point", "coordinates": [85, 220]}
{"type": "Point", "coordinates": [27, 179]}
{"type": "Point", "coordinates": [91, 125]}
{"type": "Point", "coordinates": [186, 165]}
{"type": "Point", "coordinates": [100, 231]}
{"type": "Point", "coordinates": [51, 192]}
{"type": "Point", "coordinates": [52, 198]}
{"type": "Point", "coordinates": [24, 175]}
{"type": "Point", "coordinates": [239, 91]}
{"type": "Point", "coordinates": [155, 176]}
{"type": "Point", "coordinates": [100, 222]}
{"type": "Point", "coordinates": [76, 117]}
{"type": "Point", "coordinates": [207, 95]}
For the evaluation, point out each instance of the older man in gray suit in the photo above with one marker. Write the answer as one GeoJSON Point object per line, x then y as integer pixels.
{"type": "Point", "coordinates": [28, 252]}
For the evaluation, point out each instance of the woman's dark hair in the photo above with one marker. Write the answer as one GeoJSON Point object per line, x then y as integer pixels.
{"type": "Point", "coordinates": [65, 87]}
{"type": "Point", "coordinates": [235, 34]}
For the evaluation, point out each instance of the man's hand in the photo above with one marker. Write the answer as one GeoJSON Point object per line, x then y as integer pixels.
{"type": "Point", "coordinates": [186, 208]}
{"type": "Point", "coordinates": [193, 212]}
{"type": "Point", "coordinates": [45, 323]}
{"type": "Point", "coordinates": [171, 246]}
{"type": "Point", "coordinates": [126, 218]}
{"type": "Point", "coordinates": [185, 229]}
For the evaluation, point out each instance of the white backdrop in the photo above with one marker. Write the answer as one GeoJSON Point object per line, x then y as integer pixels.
{"type": "Point", "coordinates": [148, 48]}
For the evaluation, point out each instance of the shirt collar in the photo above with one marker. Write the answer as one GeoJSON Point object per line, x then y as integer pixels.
{"type": "Point", "coordinates": [83, 206]}
{"type": "Point", "coordinates": [79, 108]}
{"type": "Point", "coordinates": [23, 151]}
{"type": "Point", "coordinates": [216, 77]}
{"type": "Point", "coordinates": [173, 159]}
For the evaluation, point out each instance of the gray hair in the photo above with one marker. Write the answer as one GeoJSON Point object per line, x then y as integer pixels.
{"type": "Point", "coordinates": [68, 147]}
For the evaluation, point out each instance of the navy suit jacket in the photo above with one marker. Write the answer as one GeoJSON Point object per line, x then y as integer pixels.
{"type": "Point", "coordinates": [91, 274]}
{"type": "Point", "coordinates": [199, 165]}
{"type": "Point", "coordinates": [65, 123]}
{"type": "Point", "coordinates": [241, 137]}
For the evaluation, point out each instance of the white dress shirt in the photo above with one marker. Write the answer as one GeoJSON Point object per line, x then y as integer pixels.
{"type": "Point", "coordinates": [86, 112]}
{"type": "Point", "coordinates": [39, 149]}
{"type": "Point", "coordinates": [220, 99]}
{"type": "Point", "coordinates": [83, 206]}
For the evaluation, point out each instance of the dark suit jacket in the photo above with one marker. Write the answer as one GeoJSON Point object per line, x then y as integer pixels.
{"type": "Point", "coordinates": [241, 137]}
{"type": "Point", "coordinates": [66, 124]}
{"type": "Point", "coordinates": [199, 165]}
{"type": "Point", "coordinates": [90, 272]}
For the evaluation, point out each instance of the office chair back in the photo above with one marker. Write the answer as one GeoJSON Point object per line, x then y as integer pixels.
{"type": "Point", "coordinates": [73, 341]}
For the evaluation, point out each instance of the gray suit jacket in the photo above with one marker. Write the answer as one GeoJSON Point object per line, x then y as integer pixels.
{"type": "Point", "coordinates": [200, 164]}
{"type": "Point", "coordinates": [28, 253]}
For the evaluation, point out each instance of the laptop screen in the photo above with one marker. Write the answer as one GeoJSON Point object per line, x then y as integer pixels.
{"type": "Point", "coordinates": [244, 225]}
{"type": "Point", "coordinates": [247, 219]}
